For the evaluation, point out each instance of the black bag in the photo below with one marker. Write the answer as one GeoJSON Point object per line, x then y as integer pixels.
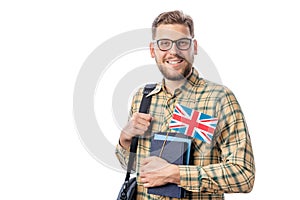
{"type": "Point", "coordinates": [129, 187]}
{"type": "Point", "coordinates": [128, 190]}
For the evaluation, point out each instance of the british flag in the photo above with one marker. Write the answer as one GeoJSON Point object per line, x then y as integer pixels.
{"type": "Point", "coordinates": [193, 123]}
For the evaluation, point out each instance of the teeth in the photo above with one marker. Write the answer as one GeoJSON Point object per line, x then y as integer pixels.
{"type": "Point", "coordinates": [174, 62]}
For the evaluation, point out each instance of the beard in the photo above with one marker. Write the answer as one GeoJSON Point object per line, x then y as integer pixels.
{"type": "Point", "coordinates": [174, 75]}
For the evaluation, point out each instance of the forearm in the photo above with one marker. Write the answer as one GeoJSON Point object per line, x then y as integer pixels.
{"type": "Point", "coordinates": [122, 155]}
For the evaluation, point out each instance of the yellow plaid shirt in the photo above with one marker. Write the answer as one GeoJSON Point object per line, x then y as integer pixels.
{"type": "Point", "coordinates": [224, 166]}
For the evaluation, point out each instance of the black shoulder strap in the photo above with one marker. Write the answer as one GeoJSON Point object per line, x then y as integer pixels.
{"type": "Point", "coordinates": [144, 108]}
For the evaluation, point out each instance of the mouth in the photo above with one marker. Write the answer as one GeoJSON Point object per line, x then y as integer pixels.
{"type": "Point", "coordinates": [174, 62]}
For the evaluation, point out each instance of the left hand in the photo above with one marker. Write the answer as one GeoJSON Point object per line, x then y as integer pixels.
{"type": "Point", "coordinates": [156, 172]}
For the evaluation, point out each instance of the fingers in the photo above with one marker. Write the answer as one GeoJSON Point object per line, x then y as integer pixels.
{"type": "Point", "coordinates": [153, 163]}
{"type": "Point", "coordinates": [145, 179]}
{"type": "Point", "coordinates": [146, 182]}
{"type": "Point", "coordinates": [138, 124]}
{"type": "Point", "coordinates": [141, 119]}
{"type": "Point", "coordinates": [147, 160]}
{"type": "Point", "coordinates": [154, 171]}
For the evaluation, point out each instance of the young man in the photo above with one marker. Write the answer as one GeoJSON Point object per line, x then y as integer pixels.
{"type": "Point", "coordinates": [227, 165]}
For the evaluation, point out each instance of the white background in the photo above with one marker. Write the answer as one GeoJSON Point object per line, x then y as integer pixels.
{"type": "Point", "coordinates": [43, 44]}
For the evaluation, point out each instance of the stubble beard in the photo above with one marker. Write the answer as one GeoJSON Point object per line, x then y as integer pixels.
{"type": "Point", "coordinates": [173, 75]}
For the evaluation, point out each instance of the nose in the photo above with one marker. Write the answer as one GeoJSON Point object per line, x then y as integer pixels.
{"type": "Point", "coordinates": [173, 49]}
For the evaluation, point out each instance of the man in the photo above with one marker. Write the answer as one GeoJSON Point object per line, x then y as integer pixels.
{"type": "Point", "coordinates": [227, 166]}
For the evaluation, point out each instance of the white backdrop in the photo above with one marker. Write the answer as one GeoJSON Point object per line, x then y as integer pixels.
{"type": "Point", "coordinates": [253, 44]}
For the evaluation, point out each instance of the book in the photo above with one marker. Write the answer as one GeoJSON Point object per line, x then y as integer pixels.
{"type": "Point", "coordinates": [176, 150]}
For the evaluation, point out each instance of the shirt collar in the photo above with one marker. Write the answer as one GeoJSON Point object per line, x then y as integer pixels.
{"type": "Point", "coordinates": [193, 80]}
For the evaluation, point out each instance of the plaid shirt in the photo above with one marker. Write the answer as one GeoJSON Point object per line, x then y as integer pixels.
{"type": "Point", "coordinates": [224, 166]}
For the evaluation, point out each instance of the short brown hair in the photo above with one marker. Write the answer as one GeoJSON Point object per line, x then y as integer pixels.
{"type": "Point", "coordinates": [173, 17]}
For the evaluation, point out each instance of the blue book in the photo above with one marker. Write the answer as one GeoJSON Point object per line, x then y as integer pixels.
{"type": "Point", "coordinates": [176, 151]}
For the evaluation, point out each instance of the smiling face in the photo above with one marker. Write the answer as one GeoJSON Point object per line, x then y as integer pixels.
{"type": "Point", "coordinates": [174, 64]}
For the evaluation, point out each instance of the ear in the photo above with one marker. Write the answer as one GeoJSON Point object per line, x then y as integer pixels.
{"type": "Point", "coordinates": [195, 46]}
{"type": "Point", "coordinates": [151, 45]}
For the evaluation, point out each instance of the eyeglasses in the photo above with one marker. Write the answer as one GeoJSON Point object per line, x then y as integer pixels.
{"type": "Point", "coordinates": [181, 44]}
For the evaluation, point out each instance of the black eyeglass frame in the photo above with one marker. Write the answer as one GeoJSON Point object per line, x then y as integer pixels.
{"type": "Point", "coordinates": [174, 41]}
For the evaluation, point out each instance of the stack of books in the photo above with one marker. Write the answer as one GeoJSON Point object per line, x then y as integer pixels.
{"type": "Point", "coordinates": [174, 148]}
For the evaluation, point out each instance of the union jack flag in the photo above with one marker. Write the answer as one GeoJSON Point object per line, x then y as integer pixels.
{"type": "Point", "coordinates": [193, 123]}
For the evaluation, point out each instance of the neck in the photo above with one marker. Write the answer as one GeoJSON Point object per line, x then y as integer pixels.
{"type": "Point", "coordinates": [172, 85]}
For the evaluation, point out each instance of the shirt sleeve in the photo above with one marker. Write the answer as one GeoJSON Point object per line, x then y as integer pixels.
{"type": "Point", "coordinates": [236, 170]}
{"type": "Point", "coordinates": [122, 155]}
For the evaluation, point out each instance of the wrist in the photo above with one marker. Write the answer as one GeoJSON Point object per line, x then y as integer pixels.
{"type": "Point", "coordinates": [124, 141]}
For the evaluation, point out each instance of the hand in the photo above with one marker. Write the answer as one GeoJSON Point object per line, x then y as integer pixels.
{"type": "Point", "coordinates": [137, 125]}
{"type": "Point", "coordinates": [156, 172]}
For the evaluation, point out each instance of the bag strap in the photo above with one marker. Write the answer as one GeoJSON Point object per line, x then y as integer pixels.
{"type": "Point", "coordinates": [144, 108]}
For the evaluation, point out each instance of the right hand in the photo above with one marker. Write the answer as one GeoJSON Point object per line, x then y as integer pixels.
{"type": "Point", "coordinates": [136, 126]}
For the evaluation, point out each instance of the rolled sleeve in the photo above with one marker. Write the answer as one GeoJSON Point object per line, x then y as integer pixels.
{"type": "Point", "coordinates": [122, 155]}
{"type": "Point", "coordinates": [194, 179]}
{"type": "Point", "coordinates": [190, 178]}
